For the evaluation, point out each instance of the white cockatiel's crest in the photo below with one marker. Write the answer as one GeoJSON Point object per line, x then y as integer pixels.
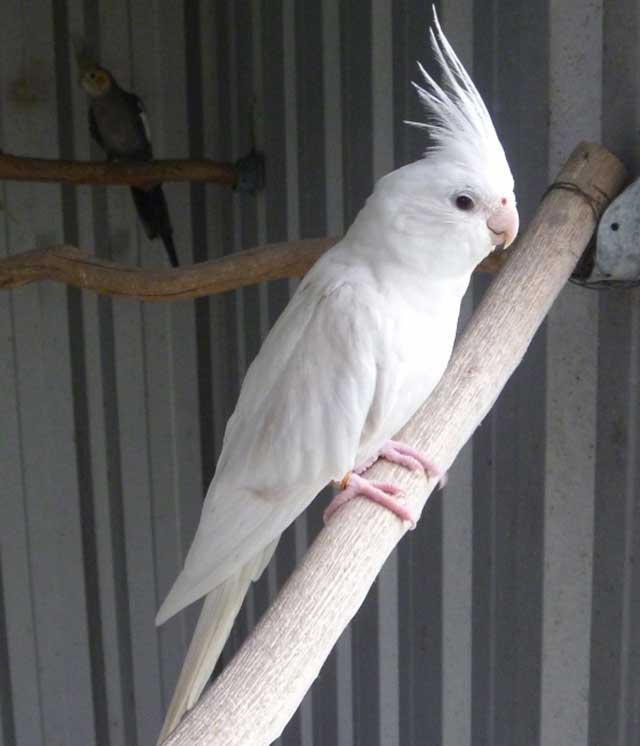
{"type": "Point", "coordinates": [458, 122]}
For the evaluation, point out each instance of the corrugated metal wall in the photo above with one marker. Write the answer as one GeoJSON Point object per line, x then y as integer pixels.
{"type": "Point", "coordinates": [512, 615]}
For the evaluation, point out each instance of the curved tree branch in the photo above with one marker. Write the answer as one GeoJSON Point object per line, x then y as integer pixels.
{"type": "Point", "coordinates": [135, 173]}
{"type": "Point", "coordinates": [77, 267]}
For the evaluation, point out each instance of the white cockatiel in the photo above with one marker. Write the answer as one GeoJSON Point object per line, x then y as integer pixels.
{"type": "Point", "coordinates": [360, 346]}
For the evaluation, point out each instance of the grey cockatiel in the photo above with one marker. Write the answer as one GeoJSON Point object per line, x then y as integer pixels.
{"type": "Point", "coordinates": [360, 346]}
{"type": "Point", "coordinates": [118, 123]}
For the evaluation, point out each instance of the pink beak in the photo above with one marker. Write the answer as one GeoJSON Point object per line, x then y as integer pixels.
{"type": "Point", "coordinates": [503, 225]}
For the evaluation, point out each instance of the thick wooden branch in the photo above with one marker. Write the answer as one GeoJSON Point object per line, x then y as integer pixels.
{"type": "Point", "coordinates": [17, 168]}
{"type": "Point", "coordinates": [76, 267]}
{"type": "Point", "coordinates": [258, 692]}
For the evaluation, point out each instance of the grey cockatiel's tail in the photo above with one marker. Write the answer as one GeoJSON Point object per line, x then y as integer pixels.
{"type": "Point", "coordinates": [361, 345]}
{"type": "Point", "coordinates": [118, 123]}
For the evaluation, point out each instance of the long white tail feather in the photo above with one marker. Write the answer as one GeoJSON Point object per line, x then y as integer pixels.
{"type": "Point", "coordinates": [220, 608]}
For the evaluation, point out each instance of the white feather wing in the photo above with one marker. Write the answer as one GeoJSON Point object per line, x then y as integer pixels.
{"type": "Point", "coordinates": [297, 425]}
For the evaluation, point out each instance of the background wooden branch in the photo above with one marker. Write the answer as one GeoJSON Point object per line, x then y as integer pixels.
{"type": "Point", "coordinates": [258, 692]}
{"type": "Point", "coordinates": [17, 168]}
{"type": "Point", "coordinates": [74, 266]}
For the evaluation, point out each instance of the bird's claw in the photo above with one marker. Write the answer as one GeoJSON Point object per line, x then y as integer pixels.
{"type": "Point", "coordinates": [411, 458]}
{"type": "Point", "coordinates": [382, 493]}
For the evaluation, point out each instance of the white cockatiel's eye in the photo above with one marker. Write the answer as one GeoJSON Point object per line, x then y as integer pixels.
{"type": "Point", "coordinates": [464, 202]}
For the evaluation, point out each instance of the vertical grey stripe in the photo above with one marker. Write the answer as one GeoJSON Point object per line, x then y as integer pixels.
{"type": "Point", "coordinates": [333, 156]}
{"type": "Point", "coordinates": [630, 632]}
{"type": "Point", "coordinates": [290, 112]}
{"type": "Point", "coordinates": [226, 355]}
{"type": "Point", "coordinates": [519, 626]}
{"type": "Point", "coordinates": [333, 163]}
{"type": "Point", "coordinates": [357, 141]}
{"type": "Point", "coordinates": [575, 114]}
{"type": "Point", "coordinates": [616, 495]}
{"type": "Point", "coordinates": [78, 373]}
{"type": "Point", "coordinates": [382, 159]}
{"type": "Point", "coordinates": [382, 113]}
{"type": "Point", "coordinates": [235, 144]}
{"type": "Point", "coordinates": [198, 195]}
{"type": "Point", "coordinates": [483, 699]}
{"type": "Point", "coordinates": [410, 23]}
{"type": "Point", "coordinates": [420, 628]}
{"type": "Point", "coordinates": [509, 510]}
{"type": "Point", "coordinates": [257, 24]}
{"type": "Point", "coordinates": [116, 516]}
{"type": "Point", "coordinates": [9, 537]}
{"type": "Point", "coordinates": [275, 140]}
{"type": "Point", "coordinates": [7, 724]}
{"type": "Point", "coordinates": [611, 548]}
{"type": "Point", "coordinates": [15, 547]}
{"type": "Point", "coordinates": [310, 120]}
{"type": "Point", "coordinates": [419, 555]}
{"type": "Point", "coordinates": [215, 92]}
{"type": "Point", "coordinates": [457, 507]}
{"type": "Point", "coordinates": [245, 104]}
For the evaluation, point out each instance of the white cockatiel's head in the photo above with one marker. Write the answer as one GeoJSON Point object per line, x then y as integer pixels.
{"type": "Point", "coordinates": [459, 198]}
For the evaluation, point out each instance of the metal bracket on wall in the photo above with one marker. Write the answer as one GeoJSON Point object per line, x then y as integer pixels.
{"type": "Point", "coordinates": [251, 172]}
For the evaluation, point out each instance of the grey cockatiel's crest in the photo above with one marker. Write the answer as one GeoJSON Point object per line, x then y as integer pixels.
{"type": "Point", "coordinates": [362, 343]}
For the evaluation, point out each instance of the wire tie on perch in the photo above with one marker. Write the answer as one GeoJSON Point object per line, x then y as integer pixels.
{"type": "Point", "coordinates": [595, 204]}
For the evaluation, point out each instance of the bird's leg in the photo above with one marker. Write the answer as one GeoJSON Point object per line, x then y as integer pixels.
{"type": "Point", "coordinates": [384, 493]}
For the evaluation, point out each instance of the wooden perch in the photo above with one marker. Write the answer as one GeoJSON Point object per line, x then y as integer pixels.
{"type": "Point", "coordinates": [258, 692]}
{"type": "Point", "coordinates": [17, 168]}
{"type": "Point", "coordinates": [77, 267]}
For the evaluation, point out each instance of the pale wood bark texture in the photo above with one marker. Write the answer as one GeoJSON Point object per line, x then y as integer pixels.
{"type": "Point", "coordinates": [74, 266]}
{"type": "Point", "coordinates": [258, 692]}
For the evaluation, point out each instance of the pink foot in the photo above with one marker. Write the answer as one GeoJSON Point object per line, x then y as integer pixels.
{"type": "Point", "coordinates": [407, 456]}
{"type": "Point", "coordinates": [410, 458]}
{"type": "Point", "coordinates": [380, 492]}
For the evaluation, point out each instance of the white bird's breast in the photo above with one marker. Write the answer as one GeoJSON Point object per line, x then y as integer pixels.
{"type": "Point", "coordinates": [415, 349]}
